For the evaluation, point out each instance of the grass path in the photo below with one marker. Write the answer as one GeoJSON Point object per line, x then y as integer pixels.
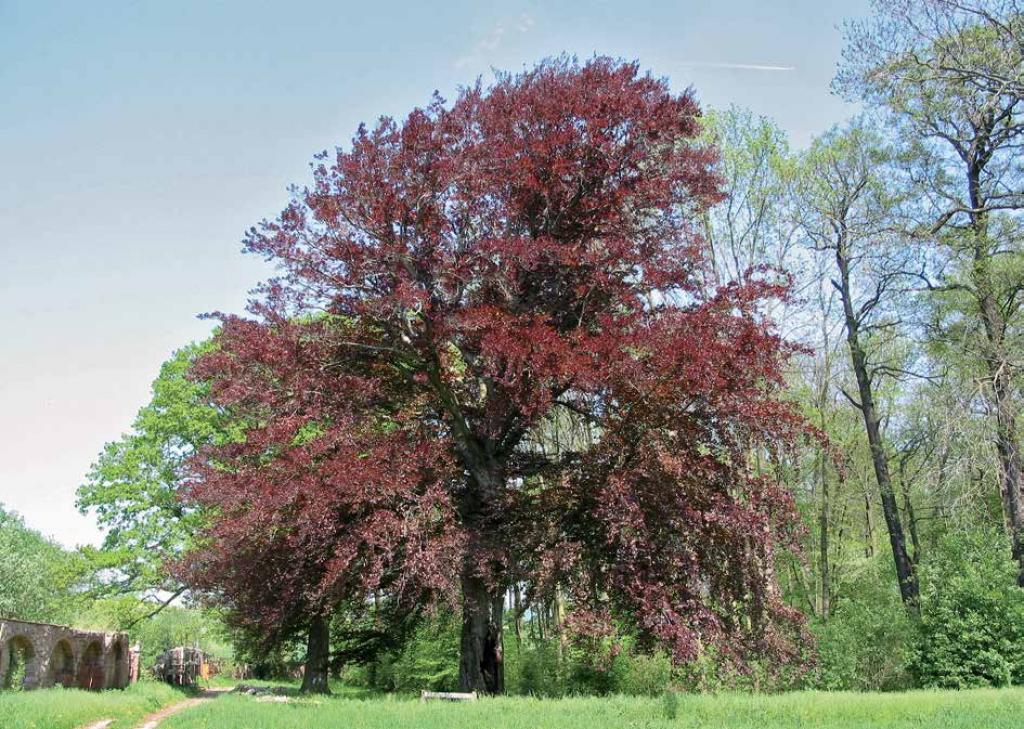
{"type": "Point", "coordinates": [156, 718]}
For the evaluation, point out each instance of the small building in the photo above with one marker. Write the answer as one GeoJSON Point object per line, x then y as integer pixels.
{"type": "Point", "coordinates": [41, 655]}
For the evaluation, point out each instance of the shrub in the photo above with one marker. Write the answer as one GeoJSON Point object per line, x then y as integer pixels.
{"type": "Point", "coordinates": [592, 666]}
{"type": "Point", "coordinates": [430, 660]}
{"type": "Point", "coordinates": [644, 675]}
{"type": "Point", "coordinates": [971, 631]}
{"type": "Point", "coordinates": [866, 645]}
{"type": "Point", "coordinates": [534, 669]}
{"type": "Point", "coordinates": [585, 667]}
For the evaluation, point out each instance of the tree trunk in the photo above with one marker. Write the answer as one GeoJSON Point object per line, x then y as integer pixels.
{"type": "Point", "coordinates": [517, 613]}
{"type": "Point", "coordinates": [1009, 467]}
{"type": "Point", "coordinates": [869, 526]}
{"type": "Point", "coordinates": [905, 573]}
{"type": "Point", "coordinates": [318, 652]}
{"type": "Point", "coordinates": [481, 666]}
{"type": "Point", "coordinates": [481, 663]}
{"type": "Point", "coordinates": [1001, 401]}
{"type": "Point", "coordinates": [559, 616]}
{"type": "Point", "coordinates": [826, 577]}
{"type": "Point", "coordinates": [908, 509]}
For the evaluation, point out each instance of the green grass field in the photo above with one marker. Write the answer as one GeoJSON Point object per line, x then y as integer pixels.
{"type": "Point", "coordinates": [70, 708]}
{"type": "Point", "coordinates": [980, 709]}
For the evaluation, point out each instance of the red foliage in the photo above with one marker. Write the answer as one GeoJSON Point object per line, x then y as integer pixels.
{"type": "Point", "coordinates": [524, 254]}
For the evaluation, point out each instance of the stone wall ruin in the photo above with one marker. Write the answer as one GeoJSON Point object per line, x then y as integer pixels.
{"type": "Point", "coordinates": [40, 655]}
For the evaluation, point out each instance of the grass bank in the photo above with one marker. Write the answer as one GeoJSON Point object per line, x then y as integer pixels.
{"type": "Point", "coordinates": [60, 708]}
{"type": "Point", "coordinates": [984, 708]}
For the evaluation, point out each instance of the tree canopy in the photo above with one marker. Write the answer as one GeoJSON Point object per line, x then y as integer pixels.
{"type": "Point", "coordinates": [455, 285]}
{"type": "Point", "coordinates": [134, 486]}
{"type": "Point", "coordinates": [38, 578]}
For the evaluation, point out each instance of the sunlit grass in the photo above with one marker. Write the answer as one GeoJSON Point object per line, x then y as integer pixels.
{"type": "Point", "coordinates": [978, 709]}
{"type": "Point", "coordinates": [60, 708]}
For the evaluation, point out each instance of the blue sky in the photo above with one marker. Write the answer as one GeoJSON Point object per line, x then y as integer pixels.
{"type": "Point", "coordinates": [138, 140]}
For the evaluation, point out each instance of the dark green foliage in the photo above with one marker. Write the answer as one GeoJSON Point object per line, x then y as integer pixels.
{"type": "Point", "coordinates": [533, 669]}
{"type": "Point", "coordinates": [593, 666]}
{"type": "Point", "coordinates": [972, 614]}
{"type": "Point", "coordinates": [546, 668]}
{"type": "Point", "coordinates": [642, 674]}
{"type": "Point", "coordinates": [429, 660]}
{"type": "Point", "coordinates": [17, 662]}
{"type": "Point", "coordinates": [267, 660]}
{"type": "Point", "coordinates": [970, 631]}
{"type": "Point", "coordinates": [585, 668]}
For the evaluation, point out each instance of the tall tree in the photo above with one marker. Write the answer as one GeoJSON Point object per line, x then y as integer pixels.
{"type": "Point", "coordinates": [751, 227]}
{"type": "Point", "coordinates": [950, 74]}
{"type": "Point", "coordinates": [528, 250]}
{"type": "Point", "coordinates": [134, 486]}
{"type": "Point", "coordinates": [847, 214]}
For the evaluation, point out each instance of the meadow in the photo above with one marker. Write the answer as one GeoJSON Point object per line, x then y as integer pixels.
{"type": "Point", "coordinates": [988, 708]}
{"type": "Point", "coordinates": [60, 708]}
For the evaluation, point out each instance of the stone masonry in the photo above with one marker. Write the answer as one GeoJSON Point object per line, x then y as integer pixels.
{"type": "Point", "coordinates": [42, 655]}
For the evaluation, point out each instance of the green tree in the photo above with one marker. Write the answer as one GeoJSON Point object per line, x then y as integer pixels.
{"type": "Point", "coordinates": [847, 208]}
{"type": "Point", "coordinates": [134, 486]}
{"type": "Point", "coordinates": [39, 580]}
{"type": "Point", "coordinates": [947, 75]}
{"type": "Point", "coordinates": [750, 227]}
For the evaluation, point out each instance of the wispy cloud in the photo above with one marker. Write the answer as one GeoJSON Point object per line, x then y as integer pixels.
{"type": "Point", "coordinates": [491, 42]}
{"type": "Point", "coordinates": [738, 66]}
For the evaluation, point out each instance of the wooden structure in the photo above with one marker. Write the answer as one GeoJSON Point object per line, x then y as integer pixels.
{"type": "Point", "coordinates": [182, 666]}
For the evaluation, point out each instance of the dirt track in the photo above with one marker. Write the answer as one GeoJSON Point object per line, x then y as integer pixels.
{"type": "Point", "coordinates": [153, 720]}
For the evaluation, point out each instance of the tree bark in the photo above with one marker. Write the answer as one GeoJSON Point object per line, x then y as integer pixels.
{"type": "Point", "coordinates": [905, 572]}
{"type": "Point", "coordinates": [869, 526]}
{"type": "Point", "coordinates": [481, 662]}
{"type": "Point", "coordinates": [1000, 395]}
{"type": "Point", "coordinates": [481, 666]}
{"type": "Point", "coordinates": [318, 652]}
{"type": "Point", "coordinates": [908, 509]}
{"type": "Point", "coordinates": [1010, 470]}
{"type": "Point", "coordinates": [823, 516]}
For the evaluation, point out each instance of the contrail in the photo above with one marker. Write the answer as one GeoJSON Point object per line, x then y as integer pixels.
{"type": "Point", "coordinates": [740, 66]}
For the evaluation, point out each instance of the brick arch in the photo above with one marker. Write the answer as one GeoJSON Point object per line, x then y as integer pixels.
{"type": "Point", "coordinates": [62, 664]}
{"type": "Point", "coordinates": [19, 657]}
{"type": "Point", "coordinates": [91, 672]}
{"type": "Point", "coordinates": [119, 651]}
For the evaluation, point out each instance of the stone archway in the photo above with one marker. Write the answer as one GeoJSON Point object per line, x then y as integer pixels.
{"type": "Point", "coordinates": [120, 655]}
{"type": "Point", "coordinates": [91, 674]}
{"type": "Point", "coordinates": [62, 665]}
{"type": "Point", "coordinates": [18, 657]}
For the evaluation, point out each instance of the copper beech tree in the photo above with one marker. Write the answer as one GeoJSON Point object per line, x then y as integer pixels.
{"type": "Point", "coordinates": [453, 284]}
